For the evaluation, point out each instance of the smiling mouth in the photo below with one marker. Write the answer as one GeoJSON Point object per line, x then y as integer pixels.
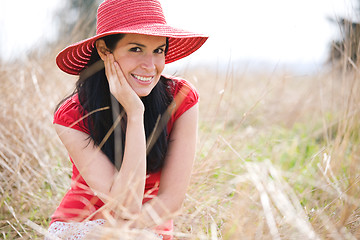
{"type": "Point", "coordinates": [142, 79]}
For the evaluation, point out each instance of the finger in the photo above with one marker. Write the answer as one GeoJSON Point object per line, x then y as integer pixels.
{"type": "Point", "coordinates": [109, 62]}
{"type": "Point", "coordinates": [120, 73]}
{"type": "Point", "coordinates": [108, 70]}
{"type": "Point", "coordinates": [111, 77]}
{"type": "Point", "coordinates": [112, 66]}
{"type": "Point", "coordinates": [113, 80]}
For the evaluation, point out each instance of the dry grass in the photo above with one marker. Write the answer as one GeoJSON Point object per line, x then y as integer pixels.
{"type": "Point", "coordinates": [278, 154]}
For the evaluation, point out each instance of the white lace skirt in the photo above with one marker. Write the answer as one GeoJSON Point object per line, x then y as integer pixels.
{"type": "Point", "coordinates": [72, 230]}
{"type": "Point", "coordinates": [78, 230]}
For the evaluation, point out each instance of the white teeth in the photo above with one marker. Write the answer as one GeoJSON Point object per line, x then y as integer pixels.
{"type": "Point", "coordinates": [144, 79]}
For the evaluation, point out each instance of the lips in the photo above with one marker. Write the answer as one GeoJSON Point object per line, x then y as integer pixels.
{"type": "Point", "coordinates": [143, 78]}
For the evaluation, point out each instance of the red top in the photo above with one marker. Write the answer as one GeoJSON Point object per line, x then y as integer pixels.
{"type": "Point", "coordinates": [80, 202]}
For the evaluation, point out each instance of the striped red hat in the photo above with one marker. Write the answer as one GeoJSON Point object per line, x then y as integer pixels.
{"type": "Point", "coordinates": [130, 16]}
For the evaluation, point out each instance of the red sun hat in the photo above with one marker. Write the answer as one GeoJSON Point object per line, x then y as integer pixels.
{"type": "Point", "coordinates": [130, 16]}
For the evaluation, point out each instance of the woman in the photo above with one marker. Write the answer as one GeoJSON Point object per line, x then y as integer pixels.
{"type": "Point", "coordinates": [126, 126]}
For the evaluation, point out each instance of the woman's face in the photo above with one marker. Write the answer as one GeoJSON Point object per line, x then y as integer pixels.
{"type": "Point", "coordinates": [142, 60]}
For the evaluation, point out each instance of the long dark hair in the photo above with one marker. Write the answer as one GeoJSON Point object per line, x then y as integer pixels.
{"type": "Point", "coordinates": [94, 94]}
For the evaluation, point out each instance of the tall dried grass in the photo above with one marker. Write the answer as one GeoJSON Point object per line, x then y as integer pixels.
{"type": "Point", "coordinates": [34, 174]}
{"type": "Point", "coordinates": [278, 154]}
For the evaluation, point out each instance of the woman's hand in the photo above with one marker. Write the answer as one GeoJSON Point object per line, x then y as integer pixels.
{"type": "Point", "coordinates": [120, 88]}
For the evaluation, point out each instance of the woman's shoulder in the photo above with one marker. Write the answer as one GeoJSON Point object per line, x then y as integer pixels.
{"type": "Point", "coordinates": [180, 85]}
{"type": "Point", "coordinates": [177, 83]}
{"type": "Point", "coordinates": [71, 114]}
{"type": "Point", "coordinates": [185, 96]}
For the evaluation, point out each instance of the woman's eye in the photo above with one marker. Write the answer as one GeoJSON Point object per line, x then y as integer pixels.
{"type": "Point", "coordinates": [159, 51]}
{"type": "Point", "coordinates": [135, 49]}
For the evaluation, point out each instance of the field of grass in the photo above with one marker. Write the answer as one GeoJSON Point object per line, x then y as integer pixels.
{"type": "Point", "coordinates": [278, 154]}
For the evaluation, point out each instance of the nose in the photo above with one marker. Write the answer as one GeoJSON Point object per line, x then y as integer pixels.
{"type": "Point", "coordinates": [148, 62]}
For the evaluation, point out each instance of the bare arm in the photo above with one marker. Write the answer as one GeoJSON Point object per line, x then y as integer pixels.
{"type": "Point", "coordinates": [176, 172]}
{"type": "Point", "coordinates": [126, 186]}
{"type": "Point", "coordinates": [101, 175]}
{"type": "Point", "coordinates": [93, 165]}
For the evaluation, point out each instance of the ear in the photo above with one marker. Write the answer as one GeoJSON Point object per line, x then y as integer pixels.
{"type": "Point", "coordinates": [101, 48]}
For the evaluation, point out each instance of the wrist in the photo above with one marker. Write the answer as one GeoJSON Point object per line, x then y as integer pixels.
{"type": "Point", "coordinates": [135, 117]}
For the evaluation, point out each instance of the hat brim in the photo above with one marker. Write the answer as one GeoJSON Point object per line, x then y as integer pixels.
{"type": "Point", "coordinates": [75, 57]}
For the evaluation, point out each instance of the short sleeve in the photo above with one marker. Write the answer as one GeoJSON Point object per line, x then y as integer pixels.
{"type": "Point", "coordinates": [185, 97]}
{"type": "Point", "coordinates": [70, 114]}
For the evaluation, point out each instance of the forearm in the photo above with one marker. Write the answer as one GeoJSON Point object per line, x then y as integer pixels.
{"type": "Point", "coordinates": [129, 183]}
{"type": "Point", "coordinates": [157, 211]}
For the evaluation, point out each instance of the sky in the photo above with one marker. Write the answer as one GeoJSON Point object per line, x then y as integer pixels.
{"type": "Point", "coordinates": [289, 32]}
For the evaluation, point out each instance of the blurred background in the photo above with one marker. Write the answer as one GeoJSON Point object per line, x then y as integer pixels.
{"type": "Point", "coordinates": [278, 153]}
{"type": "Point", "coordinates": [295, 34]}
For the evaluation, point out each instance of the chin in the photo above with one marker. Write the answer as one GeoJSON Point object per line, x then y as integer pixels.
{"type": "Point", "coordinates": [143, 93]}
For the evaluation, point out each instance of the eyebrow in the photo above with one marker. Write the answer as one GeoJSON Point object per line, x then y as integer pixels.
{"type": "Point", "coordinates": [141, 45]}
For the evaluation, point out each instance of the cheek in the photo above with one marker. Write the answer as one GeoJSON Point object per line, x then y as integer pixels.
{"type": "Point", "coordinates": [160, 65]}
{"type": "Point", "coordinates": [126, 64]}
